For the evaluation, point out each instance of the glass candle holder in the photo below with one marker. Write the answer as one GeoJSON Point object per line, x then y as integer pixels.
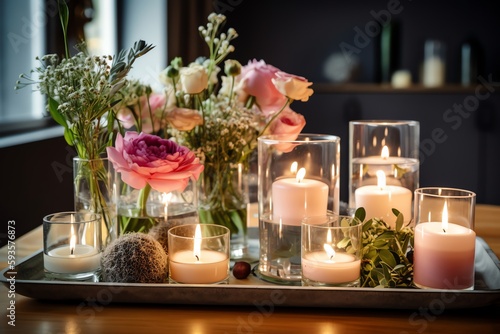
{"type": "Point", "coordinates": [72, 245]}
{"type": "Point", "coordinates": [298, 178]}
{"type": "Point", "coordinates": [198, 254]}
{"type": "Point", "coordinates": [444, 245]}
{"type": "Point", "coordinates": [383, 167]}
{"type": "Point", "coordinates": [331, 248]}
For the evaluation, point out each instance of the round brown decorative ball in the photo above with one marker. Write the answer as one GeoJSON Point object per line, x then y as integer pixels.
{"type": "Point", "coordinates": [241, 270]}
{"type": "Point", "coordinates": [134, 258]}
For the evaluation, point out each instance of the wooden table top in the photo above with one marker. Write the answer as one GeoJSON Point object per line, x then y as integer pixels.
{"type": "Point", "coordinates": [33, 316]}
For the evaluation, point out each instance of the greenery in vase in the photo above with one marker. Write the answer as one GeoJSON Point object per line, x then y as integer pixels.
{"type": "Point", "coordinates": [221, 117]}
{"type": "Point", "coordinates": [387, 254]}
{"type": "Point", "coordinates": [81, 91]}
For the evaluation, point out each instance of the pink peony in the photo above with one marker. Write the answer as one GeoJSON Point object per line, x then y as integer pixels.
{"type": "Point", "coordinates": [147, 159]}
{"type": "Point", "coordinates": [256, 80]}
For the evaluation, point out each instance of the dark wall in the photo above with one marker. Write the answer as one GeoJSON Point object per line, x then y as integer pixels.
{"type": "Point", "coordinates": [37, 179]}
{"type": "Point", "coordinates": [299, 36]}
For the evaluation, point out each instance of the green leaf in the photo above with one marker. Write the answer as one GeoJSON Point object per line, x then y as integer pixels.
{"type": "Point", "coordinates": [360, 214]}
{"type": "Point", "coordinates": [367, 225]}
{"type": "Point", "coordinates": [64, 17]}
{"type": "Point", "coordinates": [54, 112]}
{"type": "Point", "coordinates": [343, 243]}
{"type": "Point", "coordinates": [387, 257]}
{"type": "Point", "coordinates": [399, 219]}
{"type": "Point", "coordinates": [68, 136]}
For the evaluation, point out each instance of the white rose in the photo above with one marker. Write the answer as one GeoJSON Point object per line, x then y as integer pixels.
{"type": "Point", "coordinates": [194, 79]}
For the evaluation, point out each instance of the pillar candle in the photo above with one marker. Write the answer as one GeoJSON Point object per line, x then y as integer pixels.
{"type": "Point", "coordinates": [296, 198]}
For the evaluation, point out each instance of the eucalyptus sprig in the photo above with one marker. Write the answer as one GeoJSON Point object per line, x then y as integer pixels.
{"type": "Point", "coordinates": [387, 254]}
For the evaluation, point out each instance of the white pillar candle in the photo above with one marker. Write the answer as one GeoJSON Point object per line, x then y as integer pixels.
{"type": "Point", "coordinates": [296, 198]}
{"type": "Point", "coordinates": [209, 267]}
{"type": "Point", "coordinates": [330, 269]}
{"type": "Point", "coordinates": [444, 255]}
{"type": "Point", "coordinates": [63, 260]}
{"type": "Point", "coordinates": [378, 201]}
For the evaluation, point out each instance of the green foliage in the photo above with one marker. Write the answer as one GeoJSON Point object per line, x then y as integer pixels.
{"type": "Point", "coordinates": [386, 253]}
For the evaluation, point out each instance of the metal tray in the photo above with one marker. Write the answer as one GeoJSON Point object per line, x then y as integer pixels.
{"type": "Point", "coordinates": [30, 281]}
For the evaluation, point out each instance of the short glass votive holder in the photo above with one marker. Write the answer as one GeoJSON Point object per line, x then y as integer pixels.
{"type": "Point", "coordinates": [72, 245]}
{"type": "Point", "coordinates": [198, 254]}
{"type": "Point", "coordinates": [383, 167]}
{"type": "Point", "coordinates": [298, 178]}
{"type": "Point", "coordinates": [444, 244]}
{"type": "Point", "coordinates": [331, 249]}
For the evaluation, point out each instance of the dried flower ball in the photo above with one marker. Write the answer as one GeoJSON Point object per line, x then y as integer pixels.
{"type": "Point", "coordinates": [160, 231]}
{"type": "Point", "coordinates": [134, 258]}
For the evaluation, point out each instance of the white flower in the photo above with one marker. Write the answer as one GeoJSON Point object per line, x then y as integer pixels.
{"type": "Point", "coordinates": [194, 79]}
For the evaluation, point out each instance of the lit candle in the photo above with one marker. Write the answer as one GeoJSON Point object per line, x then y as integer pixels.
{"type": "Point", "coordinates": [73, 258]}
{"type": "Point", "coordinates": [444, 255]}
{"type": "Point", "coordinates": [378, 201]}
{"type": "Point", "coordinates": [392, 166]}
{"type": "Point", "coordinates": [166, 201]}
{"type": "Point", "coordinates": [199, 266]}
{"type": "Point", "coordinates": [296, 198]}
{"type": "Point", "coordinates": [330, 267]}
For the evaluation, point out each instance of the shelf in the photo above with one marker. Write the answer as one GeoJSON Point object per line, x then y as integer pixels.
{"type": "Point", "coordinates": [372, 88]}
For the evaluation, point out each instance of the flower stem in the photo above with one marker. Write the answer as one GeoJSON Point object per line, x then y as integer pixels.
{"type": "Point", "coordinates": [143, 199]}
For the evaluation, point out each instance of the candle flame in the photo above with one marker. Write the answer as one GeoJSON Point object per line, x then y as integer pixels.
{"type": "Point", "coordinates": [444, 219]}
{"type": "Point", "coordinates": [165, 198]}
{"type": "Point", "coordinates": [72, 240]}
{"type": "Point", "coordinates": [385, 152]}
{"type": "Point", "coordinates": [329, 251]}
{"type": "Point", "coordinates": [329, 236]}
{"type": "Point", "coordinates": [300, 174]}
{"type": "Point", "coordinates": [381, 182]}
{"type": "Point", "coordinates": [197, 242]}
{"type": "Point", "coordinates": [293, 167]}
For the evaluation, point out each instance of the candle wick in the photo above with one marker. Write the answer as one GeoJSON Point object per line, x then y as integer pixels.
{"type": "Point", "coordinates": [71, 250]}
{"type": "Point", "coordinates": [331, 257]}
{"type": "Point", "coordinates": [444, 230]}
{"type": "Point", "coordinates": [197, 258]}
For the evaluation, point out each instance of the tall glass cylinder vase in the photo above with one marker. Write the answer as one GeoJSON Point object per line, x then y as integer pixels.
{"type": "Point", "coordinates": [94, 186]}
{"type": "Point", "coordinates": [383, 167]}
{"type": "Point", "coordinates": [141, 209]}
{"type": "Point", "coordinates": [445, 241]}
{"type": "Point", "coordinates": [298, 179]}
{"type": "Point", "coordinates": [223, 199]}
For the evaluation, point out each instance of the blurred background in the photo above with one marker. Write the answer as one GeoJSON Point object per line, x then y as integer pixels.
{"type": "Point", "coordinates": [350, 50]}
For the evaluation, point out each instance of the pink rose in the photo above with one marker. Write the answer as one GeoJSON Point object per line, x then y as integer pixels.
{"type": "Point", "coordinates": [184, 119]}
{"type": "Point", "coordinates": [142, 109]}
{"type": "Point", "coordinates": [287, 126]}
{"type": "Point", "coordinates": [256, 80]}
{"type": "Point", "coordinates": [147, 159]}
{"type": "Point", "coordinates": [292, 86]}
{"type": "Point", "coordinates": [151, 122]}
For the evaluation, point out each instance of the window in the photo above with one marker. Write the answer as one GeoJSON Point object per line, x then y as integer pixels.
{"type": "Point", "coordinates": [22, 28]}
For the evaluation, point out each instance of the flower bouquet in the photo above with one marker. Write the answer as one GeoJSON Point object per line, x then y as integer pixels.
{"type": "Point", "coordinates": [81, 91]}
{"type": "Point", "coordinates": [220, 119]}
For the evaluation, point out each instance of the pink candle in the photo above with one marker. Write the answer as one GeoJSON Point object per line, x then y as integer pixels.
{"type": "Point", "coordinates": [444, 256]}
{"type": "Point", "coordinates": [296, 198]}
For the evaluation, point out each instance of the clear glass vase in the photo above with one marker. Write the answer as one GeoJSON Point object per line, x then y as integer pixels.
{"type": "Point", "coordinates": [141, 209]}
{"type": "Point", "coordinates": [223, 200]}
{"type": "Point", "coordinates": [93, 182]}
